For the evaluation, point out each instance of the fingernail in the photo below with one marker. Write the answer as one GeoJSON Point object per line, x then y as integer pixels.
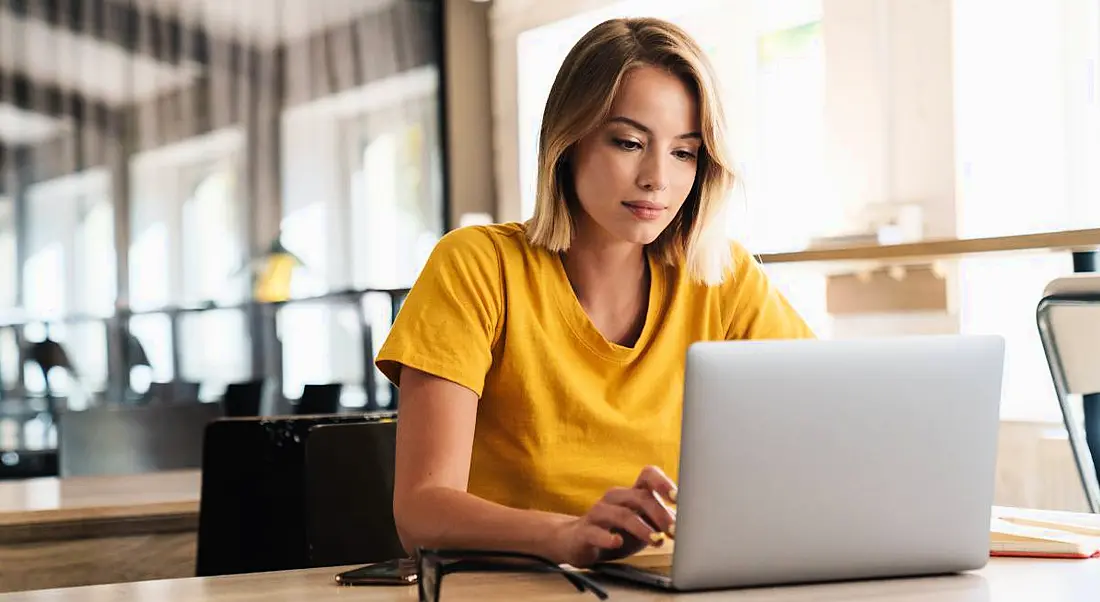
{"type": "Point", "coordinates": [672, 530]}
{"type": "Point", "coordinates": [656, 537]}
{"type": "Point", "coordinates": [672, 496]}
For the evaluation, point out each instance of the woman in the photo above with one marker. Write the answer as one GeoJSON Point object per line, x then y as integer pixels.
{"type": "Point", "coordinates": [541, 364]}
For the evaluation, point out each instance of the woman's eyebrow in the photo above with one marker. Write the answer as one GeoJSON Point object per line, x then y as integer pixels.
{"type": "Point", "coordinates": [639, 126]}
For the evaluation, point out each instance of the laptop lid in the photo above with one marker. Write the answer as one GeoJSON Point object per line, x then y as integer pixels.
{"type": "Point", "coordinates": [809, 461]}
{"type": "Point", "coordinates": [349, 470]}
{"type": "Point", "coordinates": [252, 510]}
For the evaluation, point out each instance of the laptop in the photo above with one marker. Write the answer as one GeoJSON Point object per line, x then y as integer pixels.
{"type": "Point", "coordinates": [254, 499]}
{"type": "Point", "coordinates": [809, 461]}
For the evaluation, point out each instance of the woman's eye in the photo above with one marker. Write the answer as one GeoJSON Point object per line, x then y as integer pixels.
{"type": "Point", "coordinates": [684, 155]}
{"type": "Point", "coordinates": [627, 144]}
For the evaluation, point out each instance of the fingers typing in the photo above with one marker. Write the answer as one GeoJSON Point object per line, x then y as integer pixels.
{"type": "Point", "coordinates": [645, 504]}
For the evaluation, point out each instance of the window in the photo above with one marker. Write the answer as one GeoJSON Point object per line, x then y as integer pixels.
{"type": "Point", "coordinates": [44, 282]}
{"type": "Point", "coordinates": [363, 208]}
{"type": "Point", "coordinates": [149, 272]}
{"type": "Point", "coordinates": [9, 269]}
{"type": "Point", "coordinates": [70, 246]}
{"type": "Point", "coordinates": [362, 178]}
{"type": "Point", "coordinates": [395, 200]}
{"type": "Point", "coordinates": [303, 233]}
{"type": "Point", "coordinates": [212, 240]}
{"type": "Point", "coordinates": [188, 248]}
{"type": "Point", "coordinates": [9, 358]}
{"type": "Point", "coordinates": [322, 343]}
{"type": "Point", "coordinates": [154, 332]}
{"type": "Point", "coordinates": [186, 223]}
{"type": "Point", "coordinates": [784, 176]}
{"type": "Point", "coordinates": [94, 275]}
{"type": "Point", "coordinates": [214, 350]}
{"type": "Point", "coordinates": [86, 342]}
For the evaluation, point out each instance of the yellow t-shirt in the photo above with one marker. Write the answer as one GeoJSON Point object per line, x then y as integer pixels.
{"type": "Point", "coordinates": [564, 414]}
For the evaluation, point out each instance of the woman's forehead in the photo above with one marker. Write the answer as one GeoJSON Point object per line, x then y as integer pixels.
{"type": "Point", "coordinates": [658, 100]}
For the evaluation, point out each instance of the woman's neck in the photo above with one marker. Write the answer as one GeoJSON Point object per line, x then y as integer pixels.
{"type": "Point", "coordinates": [611, 280]}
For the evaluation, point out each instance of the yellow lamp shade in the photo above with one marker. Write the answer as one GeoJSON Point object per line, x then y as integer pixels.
{"type": "Point", "coordinates": [273, 284]}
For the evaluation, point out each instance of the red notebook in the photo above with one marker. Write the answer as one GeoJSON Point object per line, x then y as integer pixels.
{"type": "Point", "coordinates": [1043, 537]}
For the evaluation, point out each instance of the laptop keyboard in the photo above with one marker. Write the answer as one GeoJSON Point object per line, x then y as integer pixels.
{"type": "Point", "coordinates": [664, 570]}
{"type": "Point", "coordinates": [657, 564]}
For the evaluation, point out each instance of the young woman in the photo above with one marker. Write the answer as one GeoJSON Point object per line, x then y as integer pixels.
{"type": "Point", "coordinates": [541, 364]}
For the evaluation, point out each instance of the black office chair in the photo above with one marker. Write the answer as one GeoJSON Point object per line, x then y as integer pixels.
{"type": "Point", "coordinates": [1068, 317]}
{"type": "Point", "coordinates": [176, 391]}
{"type": "Point", "coordinates": [349, 493]}
{"type": "Point", "coordinates": [29, 464]}
{"type": "Point", "coordinates": [243, 399]}
{"type": "Point", "coordinates": [47, 355]}
{"type": "Point", "coordinates": [319, 399]}
{"type": "Point", "coordinates": [252, 508]}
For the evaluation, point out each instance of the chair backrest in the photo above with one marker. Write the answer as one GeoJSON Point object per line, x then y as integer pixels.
{"type": "Point", "coordinates": [133, 439]}
{"type": "Point", "coordinates": [349, 493]}
{"type": "Point", "coordinates": [176, 391]}
{"type": "Point", "coordinates": [30, 464]}
{"type": "Point", "coordinates": [319, 399]}
{"type": "Point", "coordinates": [243, 399]}
{"type": "Point", "coordinates": [252, 505]}
{"type": "Point", "coordinates": [1068, 317]}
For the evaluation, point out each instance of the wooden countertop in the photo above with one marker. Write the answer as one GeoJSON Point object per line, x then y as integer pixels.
{"type": "Point", "coordinates": [1069, 240]}
{"type": "Point", "coordinates": [53, 508]}
{"type": "Point", "coordinates": [1003, 580]}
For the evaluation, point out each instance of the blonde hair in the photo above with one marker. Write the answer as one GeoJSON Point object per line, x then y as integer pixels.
{"type": "Point", "coordinates": [579, 102]}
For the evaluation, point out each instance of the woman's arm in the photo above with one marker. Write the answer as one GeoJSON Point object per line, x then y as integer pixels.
{"type": "Point", "coordinates": [435, 432]}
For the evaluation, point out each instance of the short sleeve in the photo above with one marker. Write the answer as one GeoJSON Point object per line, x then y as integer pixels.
{"type": "Point", "coordinates": [756, 308]}
{"type": "Point", "coordinates": [452, 315]}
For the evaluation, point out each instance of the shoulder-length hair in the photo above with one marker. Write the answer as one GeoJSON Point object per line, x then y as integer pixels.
{"type": "Point", "coordinates": [579, 102]}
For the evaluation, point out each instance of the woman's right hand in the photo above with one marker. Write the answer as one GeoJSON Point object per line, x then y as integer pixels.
{"type": "Point", "coordinates": [623, 522]}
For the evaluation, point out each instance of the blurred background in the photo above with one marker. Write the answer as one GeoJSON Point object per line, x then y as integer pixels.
{"type": "Point", "coordinates": [224, 201]}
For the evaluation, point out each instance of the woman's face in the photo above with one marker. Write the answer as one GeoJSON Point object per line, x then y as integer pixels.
{"type": "Point", "coordinates": [633, 173]}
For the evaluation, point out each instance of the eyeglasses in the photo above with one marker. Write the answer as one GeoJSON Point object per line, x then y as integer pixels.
{"type": "Point", "coordinates": [432, 565]}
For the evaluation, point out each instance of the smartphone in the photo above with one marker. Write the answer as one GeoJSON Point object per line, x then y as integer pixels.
{"type": "Point", "coordinates": [400, 571]}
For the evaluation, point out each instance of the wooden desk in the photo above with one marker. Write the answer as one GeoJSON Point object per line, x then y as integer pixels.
{"type": "Point", "coordinates": [90, 530]}
{"type": "Point", "coordinates": [1004, 580]}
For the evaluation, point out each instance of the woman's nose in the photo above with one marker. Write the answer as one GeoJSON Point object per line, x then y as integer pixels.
{"type": "Point", "coordinates": [652, 178]}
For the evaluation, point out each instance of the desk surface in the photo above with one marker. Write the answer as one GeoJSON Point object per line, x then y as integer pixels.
{"type": "Point", "coordinates": [141, 501]}
{"type": "Point", "coordinates": [1003, 580]}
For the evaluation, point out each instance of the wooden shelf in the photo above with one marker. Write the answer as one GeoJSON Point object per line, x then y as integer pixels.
{"type": "Point", "coordinates": [1065, 241]}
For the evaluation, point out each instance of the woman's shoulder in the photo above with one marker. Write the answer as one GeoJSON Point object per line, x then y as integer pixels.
{"type": "Point", "coordinates": [741, 262]}
{"type": "Point", "coordinates": [483, 244]}
{"type": "Point", "coordinates": [482, 238]}
{"type": "Point", "coordinates": [729, 271]}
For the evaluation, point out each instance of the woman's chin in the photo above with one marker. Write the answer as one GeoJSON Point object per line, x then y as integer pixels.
{"type": "Point", "coordinates": [641, 233]}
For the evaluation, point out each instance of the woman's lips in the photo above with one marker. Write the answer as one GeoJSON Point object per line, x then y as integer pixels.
{"type": "Point", "coordinates": [645, 210]}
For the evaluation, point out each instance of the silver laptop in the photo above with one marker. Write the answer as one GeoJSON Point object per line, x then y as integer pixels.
{"type": "Point", "coordinates": [811, 461]}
